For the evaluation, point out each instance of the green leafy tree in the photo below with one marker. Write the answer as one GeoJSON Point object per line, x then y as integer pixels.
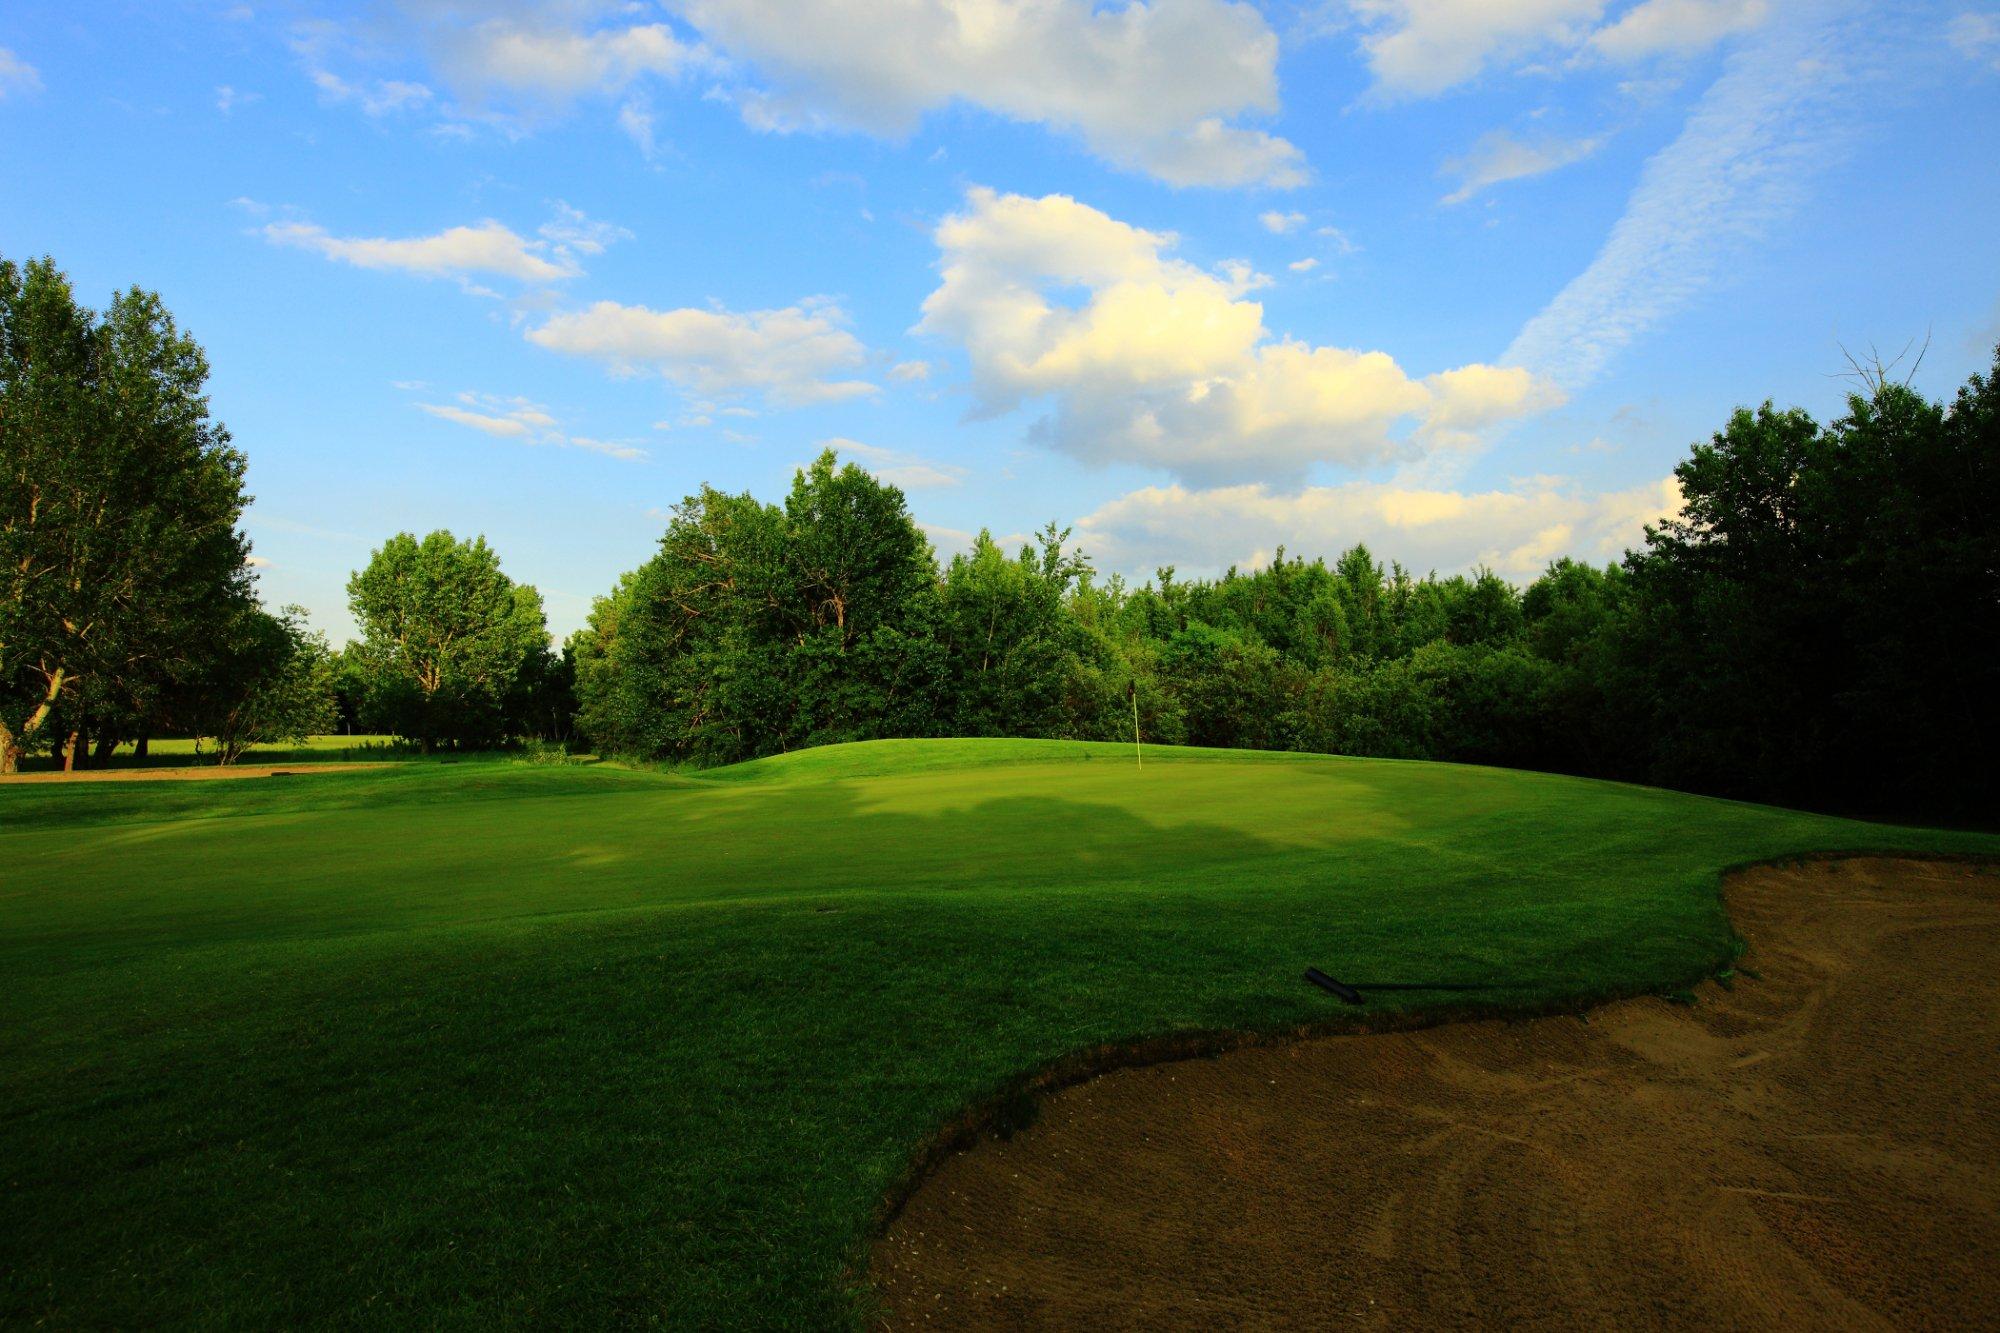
{"type": "Point", "coordinates": [119, 499]}
{"type": "Point", "coordinates": [1010, 641]}
{"type": "Point", "coordinates": [447, 639]}
{"type": "Point", "coordinates": [270, 679]}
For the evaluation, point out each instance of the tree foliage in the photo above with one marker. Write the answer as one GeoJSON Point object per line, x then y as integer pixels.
{"type": "Point", "coordinates": [450, 645]}
{"type": "Point", "coordinates": [119, 499]}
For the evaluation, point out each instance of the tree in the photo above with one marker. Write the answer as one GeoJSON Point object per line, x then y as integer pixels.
{"type": "Point", "coordinates": [757, 629]}
{"type": "Point", "coordinates": [119, 499]}
{"type": "Point", "coordinates": [270, 679]}
{"type": "Point", "coordinates": [1010, 641]}
{"type": "Point", "coordinates": [447, 638]}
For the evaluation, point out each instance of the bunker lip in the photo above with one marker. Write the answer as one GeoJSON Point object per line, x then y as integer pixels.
{"type": "Point", "coordinates": [194, 773]}
{"type": "Point", "coordinates": [1291, 1149]}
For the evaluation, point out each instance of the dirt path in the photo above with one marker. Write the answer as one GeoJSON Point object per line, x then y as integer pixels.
{"type": "Point", "coordinates": [1816, 1149]}
{"type": "Point", "coordinates": [191, 773]}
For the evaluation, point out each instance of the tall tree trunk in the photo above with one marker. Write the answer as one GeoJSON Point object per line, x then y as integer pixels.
{"type": "Point", "coordinates": [11, 745]}
{"type": "Point", "coordinates": [106, 745]}
{"type": "Point", "coordinates": [69, 753]}
{"type": "Point", "coordinates": [139, 747]}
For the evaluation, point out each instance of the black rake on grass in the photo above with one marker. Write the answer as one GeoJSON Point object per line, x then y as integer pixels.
{"type": "Point", "coordinates": [1352, 992]}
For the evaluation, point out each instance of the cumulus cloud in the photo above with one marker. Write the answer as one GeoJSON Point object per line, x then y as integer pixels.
{"type": "Point", "coordinates": [1779, 112]}
{"type": "Point", "coordinates": [910, 371]}
{"type": "Point", "coordinates": [516, 418]}
{"type": "Point", "coordinates": [910, 471]}
{"type": "Point", "coordinates": [791, 355]}
{"type": "Point", "coordinates": [1151, 85]}
{"type": "Point", "coordinates": [1516, 531]}
{"type": "Point", "coordinates": [1499, 157]}
{"type": "Point", "coordinates": [17, 77]}
{"type": "Point", "coordinates": [485, 248]}
{"type": "Point", "coordinates": [1676, 27]}
{"type": "Point", "coordinates": [1280, 224]}
{"type": "Point", "coordinates": [1306, 265]}
{"type": "Point", "coordinates": [1161, 362]}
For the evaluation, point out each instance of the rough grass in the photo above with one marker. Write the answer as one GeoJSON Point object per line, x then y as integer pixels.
{"type": "Point", "coordinates": [511, 1044]}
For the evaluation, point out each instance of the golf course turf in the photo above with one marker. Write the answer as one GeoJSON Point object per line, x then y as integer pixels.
{"type": "Point", "coordinates": [505, 1043]}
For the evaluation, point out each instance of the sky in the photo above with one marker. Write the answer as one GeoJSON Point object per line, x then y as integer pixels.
{"type": "Point", "coordinates": [1195, 279]}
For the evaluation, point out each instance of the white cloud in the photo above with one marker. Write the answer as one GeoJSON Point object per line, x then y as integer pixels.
{"type": "Point", "coordinates": [17, 77]}
{"type": "Point", "coordinates": [1740, 165]}
{"type": "Point", "coordinates": [1516, 532]}
{"type": "Point", "coordinates": [1306, 265]}
{"type": "Point", "coordinates": [635, 119]}
{"type": "Point", "coordinates": [910, 371]}
{"type": "Point", "coordinates": [1281, 223]}
{"type": "Point", "coordinates": [1150, 85]}
{"type": "Point", "coordinates": [1499, 157]}
{"type": "Point", "coordinates": [518, 418]}
{"type": "Point", "coordinates": [485, 247]}
{"type": "Point", "coordinates": [1975, 36]}
{"type": "Point", "coordinates": [609, 448]}
{"type": "Point", "coordinates": [1342, 244]}
{"type": "Point", "coordinates": [789, 355]}
{"type": "Point", "coordinates": [1163, 363]}
{"type": "Point", "coordinates": [909, 471]}
{"type": "Point", "coordinates": [1418, 48]}
{"type": "Point", "coordinates": [569, 229]}
{"type": "Point", "coordinates": [375, 97]}
{"type": "Point", "coordinates": [557, 63]}
{"type": "Point", "coordinates": [1676, 27]}
{"type": "Point", "coordinates": [480, 421]}
{"type": "Point", "coordinates": [227, 99]}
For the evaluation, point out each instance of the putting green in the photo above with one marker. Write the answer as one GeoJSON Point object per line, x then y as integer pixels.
{"type": "Point", "coordinates": [504, 1043]}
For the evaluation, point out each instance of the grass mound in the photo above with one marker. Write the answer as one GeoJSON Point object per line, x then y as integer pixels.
{"type": "Point", "coordinates": [511, 1043]}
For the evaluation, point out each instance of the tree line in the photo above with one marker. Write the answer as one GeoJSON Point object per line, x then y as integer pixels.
{"type": "Point", "coordinates": [1817, 626]}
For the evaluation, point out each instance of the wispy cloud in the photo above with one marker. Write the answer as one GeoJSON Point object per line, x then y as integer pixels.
{"type": "Point", "coordinates": [1499, 157]}
{"type": "Point", "coordinates": [790, 355]}
{"type": "Point", "coordinates": [17, 77]}
{"type": "Point", "coordinates": [1778, 113]}
{"type": "Point", "coordinates": [1975, 36]}
{"type": "Point", "coordinates": [485, 247]}
{"type": "Point", "coordinates": [516, 418]}
{"type": "Point", "coordinates": [227, 99]}
{"type": "Point", "coordinates": [912, 472]}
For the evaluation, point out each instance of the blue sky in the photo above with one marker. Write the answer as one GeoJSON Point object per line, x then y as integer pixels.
{"type": "Point", "coordinates": [1196, 278]}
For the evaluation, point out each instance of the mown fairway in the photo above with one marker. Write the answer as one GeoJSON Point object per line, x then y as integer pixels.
{"type": "Point", "coordinates": [496, 1043]}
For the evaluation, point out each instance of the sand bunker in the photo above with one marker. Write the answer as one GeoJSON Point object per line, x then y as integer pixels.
{"type": "Point", "coordinates": [1816, 1149]}
{"type": "Point", "coordinates": [191, 773]}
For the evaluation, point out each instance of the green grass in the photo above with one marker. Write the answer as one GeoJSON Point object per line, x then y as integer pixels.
{"type": "Point", "coordinates": [511, 1044]}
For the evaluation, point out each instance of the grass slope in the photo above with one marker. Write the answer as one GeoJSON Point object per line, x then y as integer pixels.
{"type": "Point", "coordinates": [560, 1045]}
